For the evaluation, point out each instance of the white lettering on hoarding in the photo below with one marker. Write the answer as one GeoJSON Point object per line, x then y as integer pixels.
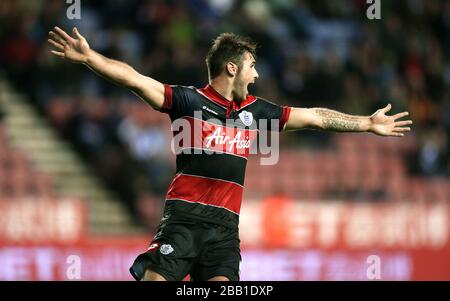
{"type": "Point", "coordinates": [411, 226]}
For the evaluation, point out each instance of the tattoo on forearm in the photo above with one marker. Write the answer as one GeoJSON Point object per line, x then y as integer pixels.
{"type": "Point", "coordinates": [336, 121]}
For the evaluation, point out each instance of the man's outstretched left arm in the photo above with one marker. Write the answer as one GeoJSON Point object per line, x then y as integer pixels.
{"type": "Point", "coordinates": [329, 120]}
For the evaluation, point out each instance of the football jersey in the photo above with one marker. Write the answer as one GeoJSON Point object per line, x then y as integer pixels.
{"type": "Point", "coordinates": [212, 142]}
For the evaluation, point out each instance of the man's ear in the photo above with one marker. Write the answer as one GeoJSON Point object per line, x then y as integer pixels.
{"type": "Point", "coordinates": [232, 68]}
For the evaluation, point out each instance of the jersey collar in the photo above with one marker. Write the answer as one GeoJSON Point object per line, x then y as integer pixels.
{"type": "Point", "coordinates": [216, 97]}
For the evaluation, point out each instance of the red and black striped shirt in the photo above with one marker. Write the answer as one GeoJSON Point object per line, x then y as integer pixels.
{"type": "Point", "coordinates": [212, 138]}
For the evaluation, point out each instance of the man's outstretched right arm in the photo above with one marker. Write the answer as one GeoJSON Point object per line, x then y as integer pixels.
{"type": "Point", "coordinates": [77, 50]}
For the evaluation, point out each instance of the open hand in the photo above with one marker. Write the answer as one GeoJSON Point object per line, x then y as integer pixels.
{"type": "Point", "coordinates": [384, 125]}
{"type": "Point", "coordinates": [73, 49]}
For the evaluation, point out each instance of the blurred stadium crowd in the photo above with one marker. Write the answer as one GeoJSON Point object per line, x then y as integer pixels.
{"type": "Point", "coordinates": [312, 53]}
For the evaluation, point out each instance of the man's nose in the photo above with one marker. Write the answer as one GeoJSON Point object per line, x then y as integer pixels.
{"type": "Point", "coordinates": [256, 74]}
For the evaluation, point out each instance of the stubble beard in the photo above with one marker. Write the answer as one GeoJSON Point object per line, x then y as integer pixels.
{"type": "Point", "coordinates": [240, 91]}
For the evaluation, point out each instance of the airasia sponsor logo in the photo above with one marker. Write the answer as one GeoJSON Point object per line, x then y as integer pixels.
{"type": "Point", "coordinates": [193, 135]}
{"type": "Point", "coordinates": [221, 138]}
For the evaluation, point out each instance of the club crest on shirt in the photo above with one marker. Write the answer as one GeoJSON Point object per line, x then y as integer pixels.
{"type": "Point", "coordinates": [246, 118]}
{"type": "Point", "coordinates": [166, 249]}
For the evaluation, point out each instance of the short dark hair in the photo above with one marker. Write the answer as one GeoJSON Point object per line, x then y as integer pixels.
{"type": "Point", "coordinates": [228, 47]}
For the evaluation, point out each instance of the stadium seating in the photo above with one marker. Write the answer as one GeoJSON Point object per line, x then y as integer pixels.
{"type": "Point", "coordinates": [357, 164]}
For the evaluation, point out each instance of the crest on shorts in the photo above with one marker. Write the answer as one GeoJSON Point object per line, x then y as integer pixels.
{"type": "Point", "coordinates": [166, 249]}
{"type": "Point", "coordinates": [246, 118]}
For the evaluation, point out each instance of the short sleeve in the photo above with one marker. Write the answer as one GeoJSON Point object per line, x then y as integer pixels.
{"type": "Point", "coordinates": [271, 111]}
{"type": "Point", "coordinates": [176, 100]}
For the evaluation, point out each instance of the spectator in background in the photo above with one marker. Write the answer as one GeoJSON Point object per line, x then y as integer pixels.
{"type": "Point", "coordinates": [147, 143]}
{"type": "Point", "coordinates": [432, 155]}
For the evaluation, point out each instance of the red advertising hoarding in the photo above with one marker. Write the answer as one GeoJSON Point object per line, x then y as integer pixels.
{"type": "Point", "coordinates": [298, 241]}
{"type": "Point", "coordinates": [35, 221]}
